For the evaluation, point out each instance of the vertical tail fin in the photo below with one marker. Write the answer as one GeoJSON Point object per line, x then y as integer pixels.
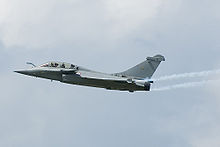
{"type": "Point", "coordinates": [145, 69]}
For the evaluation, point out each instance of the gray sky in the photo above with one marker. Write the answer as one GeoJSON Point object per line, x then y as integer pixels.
{"type": "Point", "coordinates": [109, 36]}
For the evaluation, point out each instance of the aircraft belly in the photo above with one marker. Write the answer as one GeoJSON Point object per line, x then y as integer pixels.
{"type": "Point", "coordinates": [111, 85]}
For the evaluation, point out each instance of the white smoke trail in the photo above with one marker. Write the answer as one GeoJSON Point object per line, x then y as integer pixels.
{"type": "Point", "coordinates": [183, 85]}
{"type": "Point", "coordinates": [188, 75]}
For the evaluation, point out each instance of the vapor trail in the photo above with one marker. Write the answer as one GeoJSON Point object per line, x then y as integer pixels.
{"type": "Point", "coordinates": [183, 85]}
{"type": "Point", "coordinates": [188, 75]}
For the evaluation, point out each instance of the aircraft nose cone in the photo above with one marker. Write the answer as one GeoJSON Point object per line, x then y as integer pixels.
{"type": "Point", "coordinates": [25, 72]}
{"type": "Point", "coordinates": [20, 71]}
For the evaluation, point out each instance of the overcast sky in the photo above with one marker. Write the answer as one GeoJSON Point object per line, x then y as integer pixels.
{"type": "Point", "coordinates": [109, 36]}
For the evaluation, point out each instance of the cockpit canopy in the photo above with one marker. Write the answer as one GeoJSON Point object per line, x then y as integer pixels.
{"type": "Point", "coordinates": [59, 65]}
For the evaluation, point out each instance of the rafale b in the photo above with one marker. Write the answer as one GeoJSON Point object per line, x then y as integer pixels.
{"type": "Point", "coordinates": [137, 78]}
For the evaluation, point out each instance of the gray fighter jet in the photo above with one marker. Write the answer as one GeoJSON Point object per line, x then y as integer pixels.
{"type": "Point", "coordinates": [137, 78]}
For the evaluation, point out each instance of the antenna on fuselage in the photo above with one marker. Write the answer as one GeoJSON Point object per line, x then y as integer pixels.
{"type": "Point", "coordinates": [31, 64]}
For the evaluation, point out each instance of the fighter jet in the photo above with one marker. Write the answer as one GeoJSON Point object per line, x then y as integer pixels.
{"type": "Point", "coordinates": [137, 78]}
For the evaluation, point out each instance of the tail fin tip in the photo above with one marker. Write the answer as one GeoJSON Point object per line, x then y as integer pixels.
{"type": "Point", "coordinates": [157, 58]}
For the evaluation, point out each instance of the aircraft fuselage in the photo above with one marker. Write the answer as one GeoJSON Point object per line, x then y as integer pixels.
{"type": "Point", "coordinates": [134, 79]}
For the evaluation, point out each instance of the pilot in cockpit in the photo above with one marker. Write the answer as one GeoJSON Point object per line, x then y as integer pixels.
{"type": "Point", "coordinates": [72, 66]}
{"type": "Point", "coordinates": [56, 64]}
{"type": "Point", "coordinates": [63, 65]}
